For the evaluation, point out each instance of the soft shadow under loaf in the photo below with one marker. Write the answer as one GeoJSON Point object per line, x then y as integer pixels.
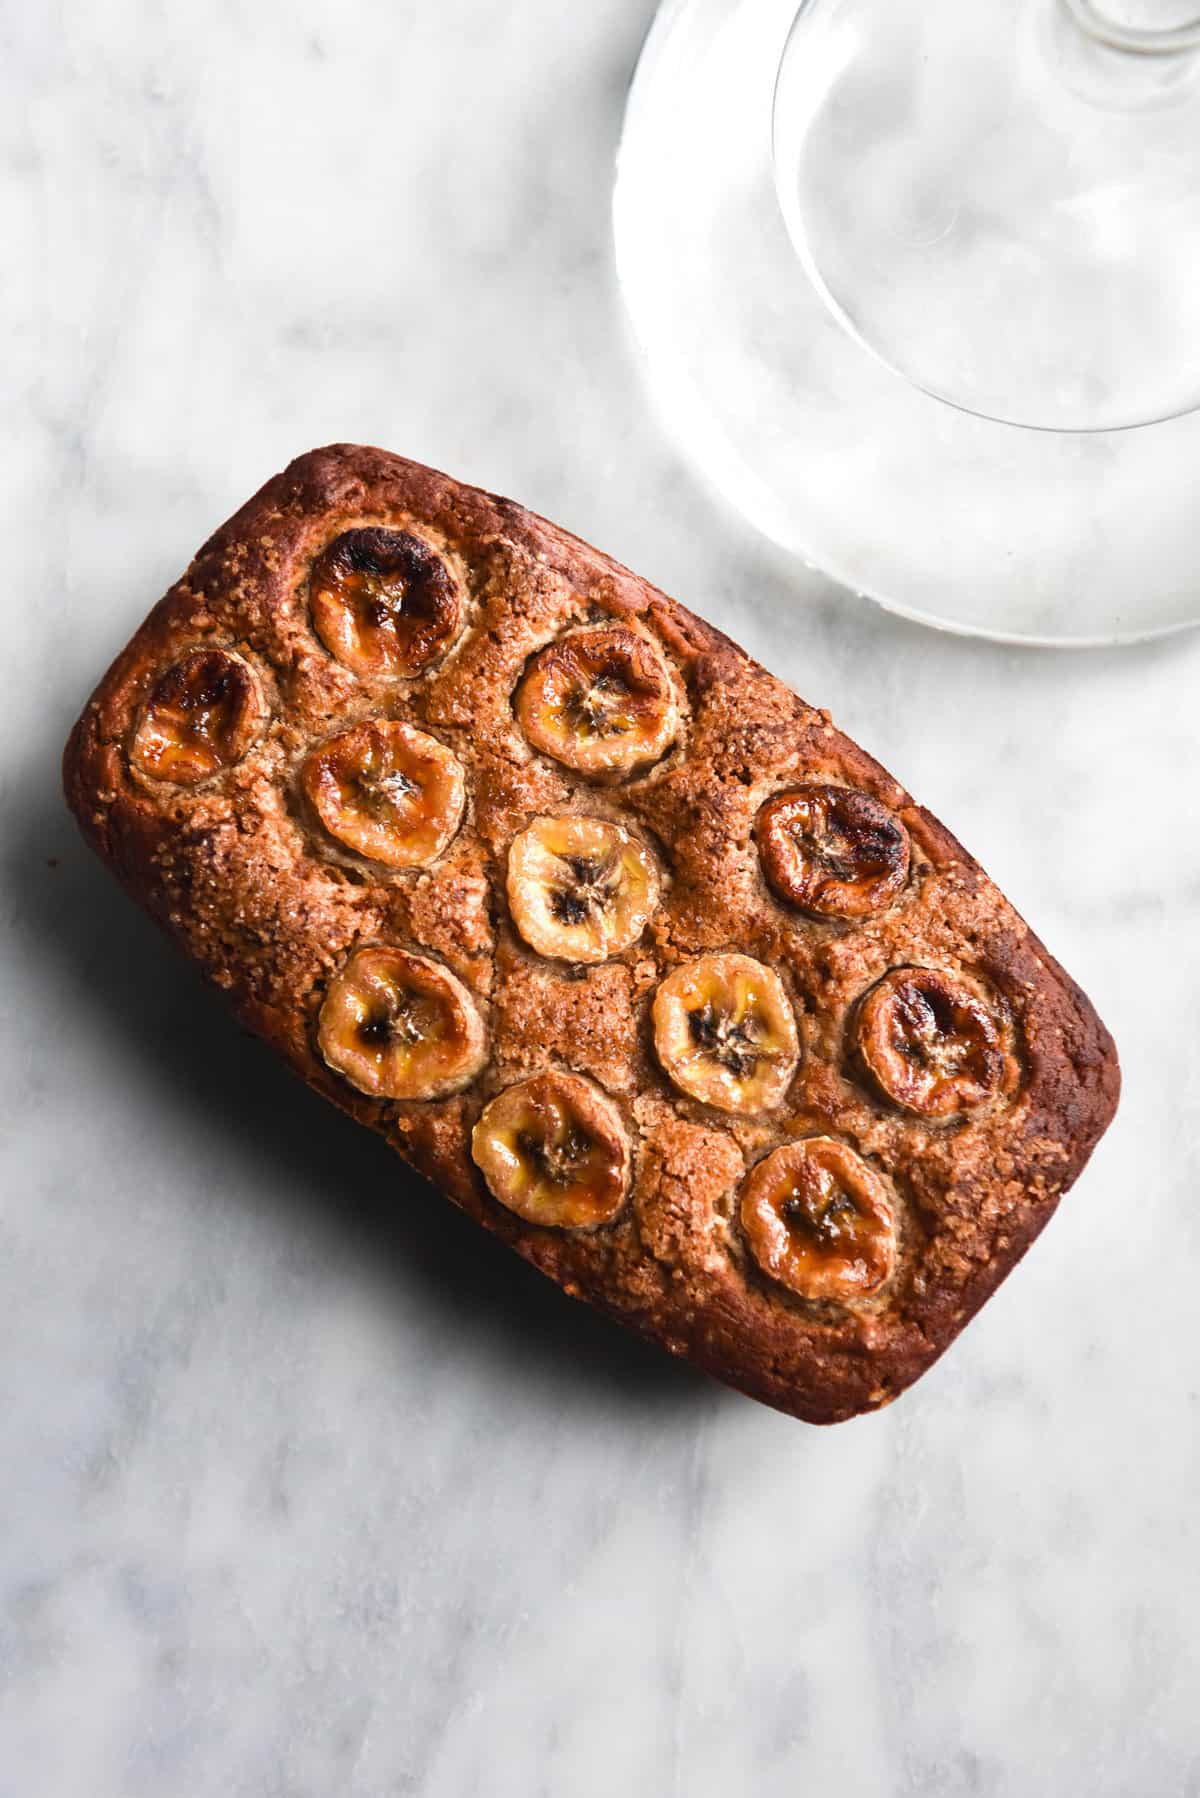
{"type": "Point", "coordinates": [182, 1047]}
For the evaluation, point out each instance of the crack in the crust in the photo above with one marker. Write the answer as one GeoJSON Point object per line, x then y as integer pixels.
{"type": "Point", "coordinates": [494, 905]}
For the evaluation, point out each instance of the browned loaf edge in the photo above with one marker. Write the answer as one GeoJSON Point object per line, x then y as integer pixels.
{"type": "Point", "coordinates": [235, 872]}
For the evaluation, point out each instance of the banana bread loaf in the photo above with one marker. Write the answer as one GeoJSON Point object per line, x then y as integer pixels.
{"type": "Point", "coordinates": [609, 934]}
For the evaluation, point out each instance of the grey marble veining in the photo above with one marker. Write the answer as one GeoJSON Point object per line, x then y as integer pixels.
{"type": "Point", "coordinates": [308, 1488]}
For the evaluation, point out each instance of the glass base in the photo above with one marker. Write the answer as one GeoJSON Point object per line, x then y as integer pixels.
{"type": "Point", "coordinates": [1033, 536]}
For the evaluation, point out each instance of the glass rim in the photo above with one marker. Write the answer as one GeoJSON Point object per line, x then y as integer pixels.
{"type": "Point", "coordinates": [1148, 40]}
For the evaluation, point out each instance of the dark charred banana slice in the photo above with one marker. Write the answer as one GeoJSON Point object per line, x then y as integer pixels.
{"type": "Point", "coordinates": [725, 1033]}
{"type": "Point", "coordinates": [599, 700]}
{"type": "Point", "coordinates": [202, 715]}
{"type": "Point", "coordinates": [387, 791]}
{"type": "Point", "coordinates": [818, 1220]}
{"type": "Point", "coordinates": [931, 1043]}
{"type": "Point", "coordinates": [383, 603]}
{"type": "Point", "coordinates": [399, 1026]}
{"type": "Point", "coordinates": [832, 850]}
{"type": "Point", "coordinates": [554, 1150]}
{"type": "Point", "coordinates": [580, 889]}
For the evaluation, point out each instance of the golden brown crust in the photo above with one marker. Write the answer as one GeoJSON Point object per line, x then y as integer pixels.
{"type": "Point", "coordinates": [232, 867]}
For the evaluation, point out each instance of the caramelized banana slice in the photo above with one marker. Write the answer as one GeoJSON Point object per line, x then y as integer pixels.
{"type": "Point", "coordinates": [387, 791]}
{"type": "Point", "coordinates": [725, 1033]}
{"type": "Point", "coordinates": [832, 850]}
{"type": "Point", "coordinates": [931, 1044]}
{"type": "Point", "coordinates": [817, 1219]}
{"type": "Point", "coordinates": [399, 1026]}
{"type": "Point", "coordinates": [554, 1150]}
{"type": "Point", "coordinates": [202, 715]}
{"type": "Point", "coordinates": [580, 889]}
{"type": "Point", "coordinates": [383, 603]}
{"type": "Point", "coordinates": [599, 700]}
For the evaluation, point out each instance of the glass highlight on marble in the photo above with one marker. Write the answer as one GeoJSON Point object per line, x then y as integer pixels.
{"type": "Point", "coordinates": [918, 285]}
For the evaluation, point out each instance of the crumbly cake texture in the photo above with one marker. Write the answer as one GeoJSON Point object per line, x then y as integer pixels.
{"type": "Point", "coordinates": [271, 907]}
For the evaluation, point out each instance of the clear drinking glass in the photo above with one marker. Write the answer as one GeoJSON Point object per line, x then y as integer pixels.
{"type": "Point", "coordinates": [918, 285]}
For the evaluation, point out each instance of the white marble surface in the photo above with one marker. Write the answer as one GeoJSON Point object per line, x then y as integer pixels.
{"type": "Point", "coordinates": [308, 1489]}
